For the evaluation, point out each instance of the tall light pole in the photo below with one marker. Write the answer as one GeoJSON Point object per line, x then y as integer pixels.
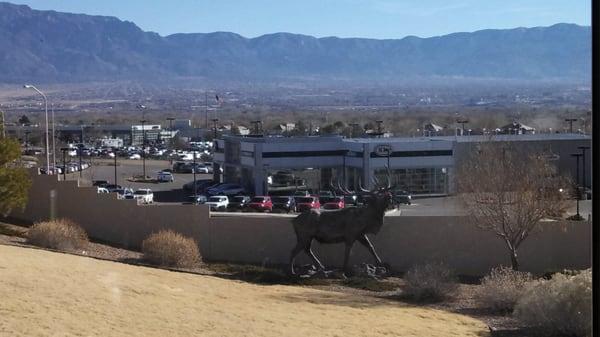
{"type": "Point", "coordinates": [171, 119]}
{"type": "Point", "coordinates": [143, 121]}
{"type": "Point", "coordinates": [53, 139]}
{"type": "Point", "coordinates": [29, 86]}
{"type": "Point", "coordinates": [577, 155]}
{"type": "Point", "coordinates": [583, 149]}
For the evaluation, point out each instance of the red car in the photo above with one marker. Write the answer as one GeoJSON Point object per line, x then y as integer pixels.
{"type": "Point", "coordinates": [307, 203]}
{"type": "Point", "coordinates": [261, 204]}
{"type": "Point", "coordinates": [335, 203]}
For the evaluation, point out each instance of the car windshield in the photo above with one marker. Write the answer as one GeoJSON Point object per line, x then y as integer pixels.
{"type": "Point", "coordinates": [305, 199]}
{"type": "Point", "coordinates": [214, 199]}
{"type": "Point", "coordinates": [335, 199]}
{"type": "Point", "coordinates": [281, 199]}
{"type": "Point", "coordinates": [258, 199]}
{"type": "Point", "coordinates": [142, 192]}
{"type": "Point", "coordinates": [238, 199]}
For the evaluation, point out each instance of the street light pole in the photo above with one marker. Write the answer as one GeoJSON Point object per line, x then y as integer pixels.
{"type": "Point", "coordinates": [53, 139]}
{"type": "Point", "coordinates": [116, 183]}
{"type": "Point", "coordinates": [194, 170]}
{"type": "Point", "coordinates": [29, 86]}
{"type": "Point", "coordinates": [583, 149]}
{"type": "Point", "coordinates": [143, 121]}
{"type": "Point", "coordinates": [215, 120]}
{"type": "Point", "coordinates": [577, 155]}
{"type": "Point", "coordinates": [170, 119]}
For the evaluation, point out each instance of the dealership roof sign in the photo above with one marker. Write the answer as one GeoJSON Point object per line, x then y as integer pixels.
{"type": "Point", "coordinates": [383, 150]}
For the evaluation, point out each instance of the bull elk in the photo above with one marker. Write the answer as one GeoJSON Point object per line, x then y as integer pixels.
{"type": "Point", "coordinates": [346, 225]}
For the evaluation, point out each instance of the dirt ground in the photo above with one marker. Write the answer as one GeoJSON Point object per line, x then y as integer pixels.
{"type": "Point", "coordinates": [53, 294]}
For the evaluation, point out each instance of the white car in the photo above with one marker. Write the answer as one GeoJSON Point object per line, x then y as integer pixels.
{"type": "Point", "coordinates": [144, 195]}
{"type": "Point", "coordinates": [165, 177]}
{"type": "Point", "coordinates": [135, 156]}
{"type": "Point", "coordinates": [102, 190]}
{"type": "Point", "coordinates": [217, 202]}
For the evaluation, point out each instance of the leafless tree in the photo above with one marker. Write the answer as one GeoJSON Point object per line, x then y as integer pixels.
{"type": "Point", "coordinates": [508, 191]}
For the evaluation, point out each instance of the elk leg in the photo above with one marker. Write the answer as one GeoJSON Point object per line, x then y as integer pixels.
{"type": "Point", "coordinates": [312, 255]}
{"type": "Point", "coordinates": [364, 240]}
{"type": "Point", "coordinates": [295, 252]}
{"type": "Point", "coordinates": [347, 256]}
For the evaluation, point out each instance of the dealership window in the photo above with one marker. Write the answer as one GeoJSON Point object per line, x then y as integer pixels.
{"type": "Point", "coordinates": [428, 180]}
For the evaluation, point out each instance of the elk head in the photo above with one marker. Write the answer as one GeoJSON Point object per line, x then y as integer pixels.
{"type": "Point", "coordinates": [380, 196]}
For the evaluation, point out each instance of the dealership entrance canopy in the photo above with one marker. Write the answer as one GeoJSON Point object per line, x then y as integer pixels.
{"type": "Point", "coordinates": [420, 165]}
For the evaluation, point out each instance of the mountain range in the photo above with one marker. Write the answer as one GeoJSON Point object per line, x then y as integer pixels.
{"type": "Point", "coordinates": [63, 47]}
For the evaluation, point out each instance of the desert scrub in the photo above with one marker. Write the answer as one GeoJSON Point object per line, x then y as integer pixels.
{"type": "Point", "coordinates": [430, 282]}
{"type": "Point", "coordinates": [171, 249]}
{"type": "Point", "coordinates": [502, 288]}
{"type": "Point", "coordinates": [60, 234]}
{"type": "Point", "coordinates": [561, 305]}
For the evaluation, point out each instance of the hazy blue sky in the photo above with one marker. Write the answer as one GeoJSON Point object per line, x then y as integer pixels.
{"type": "Point", "coordinates": [344, 18]}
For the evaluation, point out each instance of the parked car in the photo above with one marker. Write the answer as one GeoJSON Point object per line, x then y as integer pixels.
{"type": "Point", "coordinates": [198, 199]}
{"type": "Point", "coordinates": [307, 203]}
{"type": "Point", "coordinates": [335, 203]}
{"type": "Point", "coordinates": [163, 176]}
{"type": "Point", "coordinates": [218, 202]}
{"type": "Point", "coordinates": [402, 197]}
{"type": "Point", "coordinates": [179, 166]}
{"type": "Point", "coordinates": [326, 194]}
{"type": "Point", "coordinates": [99, 183]}
{"type": "Point", "coordinates": [261, 204]}
{"type": "Point", "coordinates": [201, 184]}
{"type": "Point", "coordinates": [225, 189]}
{"type": "Point", "coordinates": [123, 193]}
{"type": "Point", "coordinates": [144, 195]}
{"type": "Point", "coordinates": [135, 156]}
{"type": "Point", "coordinates": [102, 190]}
{"type": "Point", "coordinates": [287, 204]}
{"type": "Point", "coordinates": [302, 193]}
{"type": "Point", "coordinates": [112, 187]}
{"type": "Point", "coordinates": [351, 200]}
{"type": "Point", "coordinates": [238, 202]}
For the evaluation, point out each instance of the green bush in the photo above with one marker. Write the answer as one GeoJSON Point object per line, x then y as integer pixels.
{"type": "Point", "coordinates": [501, 289]}
{"type": "Point", "coordinates": [61, 234]}
{"type": "Point", "coordinates": [167, 248]}
{"type": "Point", "coordinates": [429, 282]}
{"type": "Point", "coordinates": [561, 305]}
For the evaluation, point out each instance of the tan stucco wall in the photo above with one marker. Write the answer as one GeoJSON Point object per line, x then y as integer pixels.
{"type": "Point", "coordinates": [402, 242]}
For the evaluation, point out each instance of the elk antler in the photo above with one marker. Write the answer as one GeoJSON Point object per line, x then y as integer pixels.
{"type": "Point", "coordinates": [361, 186]}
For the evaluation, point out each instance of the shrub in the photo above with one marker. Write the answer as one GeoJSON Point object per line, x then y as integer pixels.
{"type": "Point", "coordinates": [561, 305]}
{"type": "Point", "coordinates": [167, 248]}
{"type": "Point", "coordinates": [60, 234]}
{"type": "Point", "coordinates": [429, 282]}
{"type": "Point", "coordinates": [501, 289]}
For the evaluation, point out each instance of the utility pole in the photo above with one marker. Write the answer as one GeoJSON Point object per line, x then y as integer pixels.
{"type": "Point", "coordinates": [3, 124]}
{"type": "Point", "coordinates": [53, 139]}
{"type": "Point", "coordinates": [194, 168]}
{"type": "Point", "coordinates": [206, 109]}
{"type": "Point", "coordinates": [583, 149]}
{"type": "Point", "coordinates": [171, 119]}
{"type": "Point", "coordinates": [115, 168]}
{"type": "Point", "coordinates": [64, 153]}
{"type": "Point", "coordinates": [215, 121]}
{"type": "Point", "coordinates": [570, 121]}
{"type": "Point", "coordinates": [143, 121]}
{"type": "Point", "coordinates": [577, 155]}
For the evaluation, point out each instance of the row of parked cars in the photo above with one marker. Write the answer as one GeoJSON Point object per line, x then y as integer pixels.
{"type": "Point", "coordinates": [68, 168]}
{"type": "Point", "coordinates": [300, 202]}
{"type": "Point", "coordinates": [142, 195]}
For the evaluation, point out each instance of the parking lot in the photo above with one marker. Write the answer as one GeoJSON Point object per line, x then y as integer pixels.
{"type": "Point", "coordinates": [164, 192]}
{"type": "Point", "coordinates": [172, 192]}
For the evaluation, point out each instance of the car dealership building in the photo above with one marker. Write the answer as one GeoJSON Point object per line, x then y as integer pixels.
{"type": "Point", "coordinates": [424, 166]}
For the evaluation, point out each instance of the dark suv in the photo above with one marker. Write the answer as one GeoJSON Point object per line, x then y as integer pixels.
{"type": "Point", "coordinates": [238, 202]}
{"type": "Point", "coordinates": [287, 204]}
{"type": "Point", "coordinates": [402, 197]}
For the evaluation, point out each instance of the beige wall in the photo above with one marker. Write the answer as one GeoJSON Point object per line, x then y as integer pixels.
{"type": "Point", "coordinates": [402, 242]}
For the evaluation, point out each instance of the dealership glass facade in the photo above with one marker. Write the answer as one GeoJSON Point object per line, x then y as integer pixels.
{"type": "Point", "coordinates": [427, 180]}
